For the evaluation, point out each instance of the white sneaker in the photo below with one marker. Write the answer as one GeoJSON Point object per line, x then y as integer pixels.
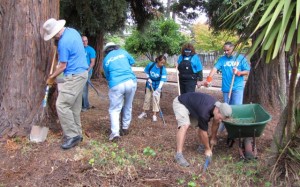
{"type": "Point", "coordinates": [154, 118]}
{"type": "Point", "coordinates": [142, 115]}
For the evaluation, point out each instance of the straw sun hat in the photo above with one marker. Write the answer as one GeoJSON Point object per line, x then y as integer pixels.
{"type": "Point", "coordinates": [52, 27]}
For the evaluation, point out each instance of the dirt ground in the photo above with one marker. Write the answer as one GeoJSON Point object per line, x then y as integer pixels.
{"type": "Point", "coordinates": [24, 163]}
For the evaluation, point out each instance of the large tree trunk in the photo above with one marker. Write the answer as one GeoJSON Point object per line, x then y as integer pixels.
{"type": "Point", "coordinates": [24, 64]}
{"type": "Point", "coordinates": [98, 72]}
{"type": "Point", "coordinates": [263, 83]}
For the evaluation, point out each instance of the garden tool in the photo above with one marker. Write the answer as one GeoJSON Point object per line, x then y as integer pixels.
{"type": "Point", "coordinates": [178, 85]}
{"type": "Point", "coordinates": [98, 93]}
{"type": "Point", "coordinates": [230, 89]}
{"type": "Point", "coordinates": [39, 133]}
{"type": "Point", "coordinates": [155, 101]}
{"type": "Point", "coordinates": [207, 161]}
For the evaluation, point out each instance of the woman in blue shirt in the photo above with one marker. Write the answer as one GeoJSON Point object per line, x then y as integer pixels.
{"type": "Point", "coordinates": [122, 86]}
{"type": "Point", "coordinates": [157, 75]}
{"type": "Point", "coordinates": [190, 69]}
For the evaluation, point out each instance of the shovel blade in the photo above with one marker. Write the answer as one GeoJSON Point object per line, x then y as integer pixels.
{"type": "Point", "coordinates": [38, 134]}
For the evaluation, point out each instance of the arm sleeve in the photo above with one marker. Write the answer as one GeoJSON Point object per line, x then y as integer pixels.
{"type": "Point", "coordinates": [161, 83]}
{"type": "Point", "coordinates": [196, 63]}
{"type": "Point", "coordinates": [130, 59]}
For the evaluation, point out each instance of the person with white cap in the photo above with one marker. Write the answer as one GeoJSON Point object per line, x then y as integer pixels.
{"type": "Point", "coordinates": [195, 107]}
{"type": "Point", "coordinates": [122, 86]}
{"type": "Point", "coordinates": [74, 66]}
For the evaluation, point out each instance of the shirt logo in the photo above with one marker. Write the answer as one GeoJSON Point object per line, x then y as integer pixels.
{"type": "Point", "coordinates": [231, 63]}
{"type": "Point", "coordinates": [114, 59]}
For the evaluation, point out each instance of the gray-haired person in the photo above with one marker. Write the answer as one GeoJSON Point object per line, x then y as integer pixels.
{"type": "Point", "coordinates": [193, 107]}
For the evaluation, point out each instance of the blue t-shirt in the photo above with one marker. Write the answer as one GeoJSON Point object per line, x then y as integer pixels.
{"type": "Point", "coordinates": [90, 53]}
{"type": "Point", "coordinates": [226, 65]}
{"type": "Point", "coordinates": [155, 76]}
{"type": "Point", "coordinates": [195, 62]}
{"type": "Point", "coordinates": [117, 67]}
{"type": "Point", "coordinates": [71, 51]}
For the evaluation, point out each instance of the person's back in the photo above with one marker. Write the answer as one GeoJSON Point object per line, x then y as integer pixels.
{"type": "Point", "coordinates": [71, 50]}
{"type": "Point", "coordinates": [117, 67]}
{"type": "Point", "coordinates": [122, 86]}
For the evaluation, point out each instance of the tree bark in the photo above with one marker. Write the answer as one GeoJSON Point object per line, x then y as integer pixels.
{"type": "Point", "coordinates": [25, 62]}
{"type": "Point", "coordinates": [98, 70]}
{"type": "Point", "coordinates": [282, 64]}
{"type": "Point", "coordinates": [263, 83]}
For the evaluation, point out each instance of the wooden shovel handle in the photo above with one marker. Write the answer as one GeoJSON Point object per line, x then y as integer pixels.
{"type": "Point", "coordinates": [53, 61]}
{"type": "Point", "coordinates": [230, 89]}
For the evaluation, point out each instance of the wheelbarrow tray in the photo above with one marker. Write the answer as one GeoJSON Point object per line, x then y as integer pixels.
{"type": "Point", "coordinates": [248, 120]}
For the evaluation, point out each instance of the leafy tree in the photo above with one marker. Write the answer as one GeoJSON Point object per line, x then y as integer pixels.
{"type": "Point", "coordinates": [207, 40]}
{"type": "Point", "coordinates": [158, 38]}
{"type": "Point", "coordinates": [95, 18]}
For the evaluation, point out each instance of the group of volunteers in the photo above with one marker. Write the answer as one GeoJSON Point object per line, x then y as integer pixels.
{"type": "Point", "coordinates": [76, 61]}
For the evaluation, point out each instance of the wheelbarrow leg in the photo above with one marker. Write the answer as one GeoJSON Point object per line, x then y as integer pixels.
{"type": "Point", "coordinates": [241, 146]}
{"type": "Point", "coordinates": [254, 145]}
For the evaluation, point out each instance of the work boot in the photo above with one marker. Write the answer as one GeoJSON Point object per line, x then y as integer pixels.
{"type": "Point", "coordinates": [181, 160]}
{"type": "Point", "coordinates": [71, 142]}
{"type": "Point", "coordinates": [124, 132]}
{"type": "Point", "coordinates": [142, 115]}
{"type": "Point", "coordinates": [154, 118]}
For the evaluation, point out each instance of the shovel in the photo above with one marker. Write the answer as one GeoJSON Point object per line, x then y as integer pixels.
{"type": "Point", "coordinates": [39, 133]}
{"type": "Point", "coordinates": [94, 88]}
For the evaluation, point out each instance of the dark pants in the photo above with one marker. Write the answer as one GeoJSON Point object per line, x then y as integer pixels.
{"type": "Point", "coordinates": [187, 86]}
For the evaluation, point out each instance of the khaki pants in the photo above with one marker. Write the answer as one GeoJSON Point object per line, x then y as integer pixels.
{"type": "Point", "coordinates": [69, 102]}
{"type": "Point", "coordinates": [182, 115]}
{"type": "Point", "coordinates": [147, 101]}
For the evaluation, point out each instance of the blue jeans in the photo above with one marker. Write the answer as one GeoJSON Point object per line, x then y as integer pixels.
{"type": "Point", "coordinates": [121, 98]}
{"type": "Point", "coordinates": [85, 94]}
{"type": "Point", "coordinates": [235, 99]}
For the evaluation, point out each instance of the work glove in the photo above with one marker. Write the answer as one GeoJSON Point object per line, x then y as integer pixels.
{"type": "Point", "coordinates": [50, 81]}
{"type": "Point", "coordinates": [236, 71]}
{"type": "Point", "coordinates": [208, 81]}
{"type": "Point", "coordinates": [149, 81]}
{"type": "Point", "coordinates": [156, 92]}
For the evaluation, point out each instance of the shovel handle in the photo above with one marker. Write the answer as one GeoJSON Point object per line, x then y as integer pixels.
{"type": "Point", "coordinates": [53, 61]}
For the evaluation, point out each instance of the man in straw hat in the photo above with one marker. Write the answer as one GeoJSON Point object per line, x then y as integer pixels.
{"type": "Point", "coordinates": [193, 108]}
{"type": "Point", "coordinates": [74, 66]}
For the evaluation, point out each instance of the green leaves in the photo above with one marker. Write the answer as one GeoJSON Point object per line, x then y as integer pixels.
{"type": "Point", "coordinates": [161, 36]}
{"type": "Point", "coordinates": [278, 24]}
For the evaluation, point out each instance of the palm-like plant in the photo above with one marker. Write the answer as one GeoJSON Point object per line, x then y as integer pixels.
{"type": "Point", "coordinates": [275, 25]}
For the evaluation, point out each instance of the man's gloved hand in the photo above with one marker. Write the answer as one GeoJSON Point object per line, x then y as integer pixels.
{"type": "Point", "coordinates": [50, 81]}
{"type": "Point", "coordinates": [156, 92]}
{"type": "Point", "coordinates": [149, 81]}
{"type": "Point", "coordinates": [208, 81]}
{"type": "Point", "coordinates": [236, 71]}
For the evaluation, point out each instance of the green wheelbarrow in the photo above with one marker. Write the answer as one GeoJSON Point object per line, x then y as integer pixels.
{"type": "Point", "coordinates": [247, 120]}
